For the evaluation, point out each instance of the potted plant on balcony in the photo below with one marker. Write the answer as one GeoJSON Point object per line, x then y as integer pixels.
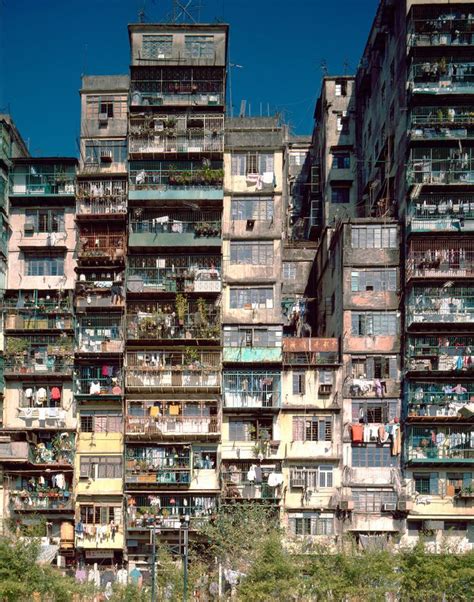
{"type": "Point", "coordinates": [181, 308]}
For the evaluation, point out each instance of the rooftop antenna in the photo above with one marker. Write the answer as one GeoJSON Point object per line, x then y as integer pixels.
{"type": "Point", "coordinates": [243, 107]}
{"type": "Point", "coordinates": [182, 10]}
{"type": "Point", "coordinates": [346, 67]}
{"type": "Point", "coordinates": [324, 67]}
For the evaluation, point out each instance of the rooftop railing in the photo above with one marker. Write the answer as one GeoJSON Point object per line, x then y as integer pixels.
{"type": "Point", "coordinates": [43, 180]}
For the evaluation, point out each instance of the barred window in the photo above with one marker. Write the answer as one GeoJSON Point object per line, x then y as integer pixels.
{"type": "Point", "coordinates": [44, 266]}
{"type": "Point", "coordinates": [374, 280]}
{"type": "Point", "coordinates": [312, 428]}
{"type": "Point", "coordinates": [251, 298]}
{"type": "Point", "coordinates": [373, 456]}
{"type": "Point", "coordinates": [199, 47]}
{"type": "Point", "coordinates": [101, 423]}
{"type": "Point", "coordinates": [251, 253]}
{"type": "Point", "coordinates": [256, 209]}
{"type": "Point", "coordinates": [45, 221]}
{"type": "Point", "coordinates": [371, 500]}
{"type": "Point", "coordinates": [101, 467]}
{"type": "Point", "coordinates": [374, 237]}
{"type": "Point", "coordinates": [374, 323]}
{"type": "Point", "coordinates": [157, 46]}
{"type": "Point", "coordinates": [311, 524]}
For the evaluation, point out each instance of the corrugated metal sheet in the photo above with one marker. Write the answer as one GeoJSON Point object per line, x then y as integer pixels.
{"type": "Point", "coordinates": [295, 345]}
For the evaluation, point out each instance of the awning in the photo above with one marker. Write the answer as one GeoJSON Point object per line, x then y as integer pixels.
{"type": "Point", "coordinates": [47, 554]}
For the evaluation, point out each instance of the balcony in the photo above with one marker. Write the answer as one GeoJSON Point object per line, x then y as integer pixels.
{"type": "Point", "coordinates": [435, 445]}
{"type": "Point", "coordinates": [182, 319]}
{"type": "Point", "coordinates": [162, 229]}
{"type": "Point", "coordinates": [192, 182]}
{"type": "Point", "coordinates": [30, 319]}
{"type": "Point", "coordinates": [101, 198]}
{"type": "Point", "coordinates": [441, 212]}
{"type": "Point", "coordinates": [58, 449]}
{"type": "Point", "coordinates": [156, 510]}
{"type": "Point", "coordinates": [41, 355]}
{"type": "Point", "coordinates": [429, 401]}
{"type": "Point", "coordinates": [457, 170]}
{"type": "Point", "coordinates": [371, 388]}
{"type": "Point", "coordinates": [310, 351]}
{"type": "Point", "coordinates": [250, 355]}
{"type": "Point", "coordinates": [43, 178]}
{"type": "Point", "coordinates": [151, 87]}
{"type": "Point", "coordinates": [440, 305]}
{"type": "Point", "coordinates": [163, 371]}
{"type": "Point", "coordinates": [253, 389]}
{"type": "Point", "coordinates": [442, 123]}
{"type": "Point", "coordinates": [151, 135]}
{"type": "Point", "coordinates": [248, 481]}
{"type": "Point", "coordinates": [158, 466]}
{"type": "Point", "coordinates": [441, 77]}
{"type": "Point", "coordinates": [101, 248]}
{"type": "Point", "coordinates": [98, 381]}
{"type": "Point", "coordinates": [44, 403]}
{"type": "Point", "coordinates": [170, 419]}
{"type": "Point", "coordinates": [440, 258]}
{"type": "Point", "coordinates": [51, 500]}
{"type": "Point", "coordinates": [174, 274]}
{"type": "Point", "coordinates": [444, 30]}
{"type": "Point", "coordinates": [444, 353]}
{"type": "Point", "coordinates": [99, 334]}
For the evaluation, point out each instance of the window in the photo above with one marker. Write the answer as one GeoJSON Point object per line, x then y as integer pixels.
{"type": "Point", "coordinates": [325, 377]}
{"type": "Point", "coordinates": [252, 163]}
{"type": "Point", "coordinates": [157, 47]}
{"type": "Point", "coordinates": [312, 428]}
{"type": "Point", "coordinates": [45, 220]}
{"type": "Point", "coordinates": [251, 298]}
{"type": "Point", "coordinates": [98, 149]}
{"type": "Point", "coordinates": [325, 476]}
{"type": "Point", "coordinates": [375, 366]}
{"type": "Point", "coordinates": [459, 480]}
{"type": "Point", "coordinates": [311, 524]}
{"type": "Point", "coordinates": [341, 161]}
{"type": "Point", "coordinates": [106, 108]}
{"type": "Point", "coordinates": [374, 323]}
{"type": "Point", "coordinates": [373, 456]}
{"type": "Point", "coordinates": [251, 253]}
{"type": "Point", "coordinates": [297, 158]}
{"type": "Point", "coordinates": [299, 383]}
{"type": "Point", "coordinates": [44, 266]}
{"type": "Point", "coordinates": [199, 47]}
{"type": "Point", "coordinates": [426, 482]}
{"type": "Point", "coordinates": [340, 194]}
{"type": "Point", "coordinates": [340, 88]}
{"type": "Point", "coordinates": [374, 237]}
{"type": "Point", "coordinates": [256, 209]}
{"type": "Point", "coordinates": [101, 467]}
{"type": "Point", "coordinates": [342, 123]}
{"type": "Point", "coordinates": [289, 270]}
{"type": "Point", "coordinates": [374, 280]}
{"type": "Point", "coordinates": [112, 105]}
{"type": "Point", "coordinates": [371, 500]}
{"type": "Point", "coordinates": [252, 337]}
{"type": "Point", "coordinates": [94, 514]}
{"type": "Point", "coordinates": [101, 423]}
{"type": "Point", "coordinates": [378, 411]}
{"type": "Point", "coordinates": [247, 430]}
{"type": "Point", "coordinates": [303, 477]}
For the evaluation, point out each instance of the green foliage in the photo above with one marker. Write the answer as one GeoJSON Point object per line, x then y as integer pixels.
{"type": "Point", "coordinates": [21, 576]}
{"type": "Point", "coordinates": [129, 593]}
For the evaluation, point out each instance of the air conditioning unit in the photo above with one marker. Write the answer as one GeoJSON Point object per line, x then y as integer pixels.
{"type": "Point", "coordinates": [325, 389]}
{"type": "Point", "coordinates": [390, 507]}
{"type": "Point", "coordinates": [405, 505]}
{"type": "Point", "coordinates": [346, 505]}
{"type": "Point", "coordinates": [106, 156]}
{"type": "Point", "coordinates": [103, 118]}
{"type": "Point", "coordinates": [29, 228]}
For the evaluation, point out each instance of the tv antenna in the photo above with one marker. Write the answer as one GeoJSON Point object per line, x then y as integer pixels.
{"type": "Point", "coordinates": [142, 16]}
{"type": "Point", "coordinates": [183, 11]}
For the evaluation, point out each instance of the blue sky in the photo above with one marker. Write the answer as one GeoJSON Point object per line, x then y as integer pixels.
{"type": "Point", "coordinates": [46, 45]}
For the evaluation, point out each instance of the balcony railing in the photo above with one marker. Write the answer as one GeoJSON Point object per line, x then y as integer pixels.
{"type": "Point", "coordinates": [440, 305]}
{"type": "Point", "coordinates": [147, 511]}
{"type": "Point", "coordinates": [36, 501]}
{"type": "Point", "coordinates": [14, 451]}
{"type": "Point", "coordinates": [165, 371]}
{"type": "Point", "coordinates": [252, 389]}
{"type": "Point", "coordinates": [99, 381]}
{"type": "Point", "coordinates": [300, 351]}
{"type": "Point", "coordinates": [172, 425]}
{"type": "Point", "coordinates": [440, 354]}
{"type": "Point", "coordinates": [33, 303]}
{"type": "Point", "coordinates": [101, 246]}
{"type": "Point", "coordinates": [444, 30]}
{"type": "Point", "coordinates": [155, 321]}
{"type": "Point", "coordinates": [438, 212]}
{"type": "Point", "coordinates": [242, 483]}
{"type": "Point", "coordinates": [186, 273]}
{"type": "Point", "coordinates": [101, 197]}
{"type": "Point", "coordinates": [427, 171]}
{"type": "Point", "coordinates": [194, 178]}
{"type": "Point", "coordinates": [38, 354]}
{"type": "Point", "coordinates": [430, 400]}
{"type": "Point", "coordinates": [43, 180]}
{"type": "Point", "coordinates": [440, 258]}
{"type": "Point", "coordinates": [442, 77]}
{"type": "Point", "coordinates": [35, 320]}
{"type": "Point", "coordinates": [99, 334]}
{"type": "Point", "coordinates": [189, 91]}
{"type": "Point", "coordinates": [176, 229]}
{"type": "Point", "coordinates": [432, 445]}
{"type": "Point", "coordinates": [161, 466]}
{"type": "Point", "coordinates": [177, 133]}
